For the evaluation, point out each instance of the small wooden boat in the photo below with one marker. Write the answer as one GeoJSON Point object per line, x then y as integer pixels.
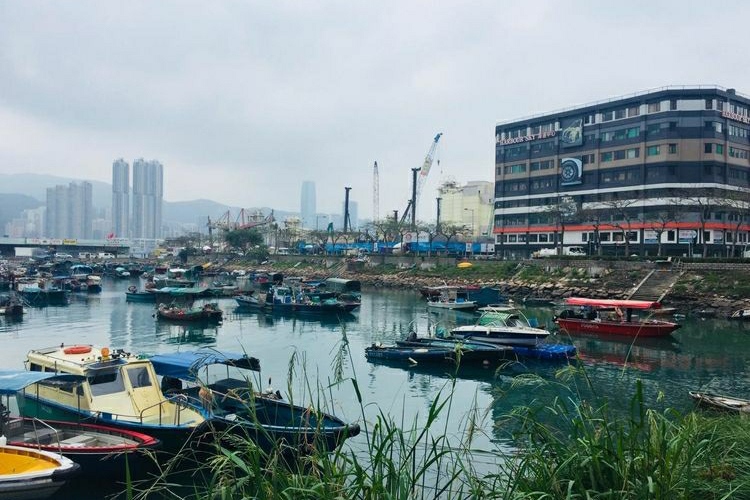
{"type": "Point", "coordinates": [32, 474]}
{"type": "Point", "coordinates": [10, 305]}
{"type": "Point", "coordinates": [234, 407]}
{"type": "Point", "coordinates": [99, 449]}
{"type": "Point", "coordinates": [721, 402]}
{"type": "Point", "coordinates": [206, 312]}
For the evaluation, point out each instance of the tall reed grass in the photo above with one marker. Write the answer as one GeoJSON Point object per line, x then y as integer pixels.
{"type": "Point", "coordinates": [567, 448]}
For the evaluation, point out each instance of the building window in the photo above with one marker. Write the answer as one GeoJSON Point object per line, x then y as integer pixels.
{"type": "Point", "coordinates": [672, 148]}
{"type": "Point", "coordinates": [671, 236]}
{"type": "Point", "coordinates": [632, 153]}
{"type": "Point", "coordinates": [653, 150]}
{"type": "Point", "coordinates": [608, 156]}
{"type": "Point", "coordinates": [707, 147]}
{"type": "Point", "coordinates": [518, 168]}
{"type": "Point", "coordinates": [719, 149]}
{"type": "Point", "coordinates": [587, 159]}
{"type": "Point", "coordinates": [709, 104]}
{"type": "Point", "coordinates": [634, 111]}
{"type": "Point", "coordinates": [673, 104]}
{"type": "Point", "coordinates": [620, 113]}
{"type": "Point", "coordinates": [608, 116]}
{"type": "Point", "coordinates": [738, 153]}
{"type": "Point", "coordinates": [499, 171]}
{"type": "Point", "coordinates": [715, 126]}
{"type": "Point", "coordinates": [654, 107]}
{"type": "Point", "coordinates": [533, 238]}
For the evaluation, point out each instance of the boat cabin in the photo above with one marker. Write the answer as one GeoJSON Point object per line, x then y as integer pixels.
{"type": "Point", "coordinates": [115, 385]}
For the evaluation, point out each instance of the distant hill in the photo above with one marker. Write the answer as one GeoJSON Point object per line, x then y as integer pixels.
{"type": "Point", "coordinates": [35, 185]}
{"type": "Point", "coordinates": [11, 206]}
{"type": "Point", "coordinates": [23, 191]}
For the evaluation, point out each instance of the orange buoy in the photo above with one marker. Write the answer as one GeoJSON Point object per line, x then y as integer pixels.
{"type": "Point", "coordinates": [77, 349]}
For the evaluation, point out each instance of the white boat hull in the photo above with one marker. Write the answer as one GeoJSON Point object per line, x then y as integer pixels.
{"type": "Point", "coordinates": [528, 337]}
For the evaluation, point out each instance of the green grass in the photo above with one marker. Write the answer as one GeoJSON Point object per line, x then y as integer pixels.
{"type": "Point", "coordinates": [568, 447]}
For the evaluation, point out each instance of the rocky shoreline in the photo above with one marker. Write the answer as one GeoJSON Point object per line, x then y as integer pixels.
{"type": "Point", "coordinates": [612, 286]}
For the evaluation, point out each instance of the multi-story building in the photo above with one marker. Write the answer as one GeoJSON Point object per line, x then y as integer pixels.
{"type": "Point", "coordinates": [663, 170]}
{"type": "Point", "coordinates": [470, 205]}
{"type": "Point", "coordinates": [120, 198]}
{"type": "Point", "coordinates": [308, 205]}
{"type": "Point", "coordinates": [69, 211]}
{"type": "Point", "coordinates": [148, 193]}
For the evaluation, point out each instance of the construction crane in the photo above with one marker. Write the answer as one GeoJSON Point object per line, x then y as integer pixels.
{"type": "Point", "coordinates": [375, 192]}
{"type": "Point", "coordinates": [418, 183]}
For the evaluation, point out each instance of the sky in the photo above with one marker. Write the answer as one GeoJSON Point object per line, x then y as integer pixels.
{"type": "Point", "coordinates": [241, 101]}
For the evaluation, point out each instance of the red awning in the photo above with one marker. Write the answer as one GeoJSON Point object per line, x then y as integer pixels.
{"type": "Point", "coordinates": [626, 304]}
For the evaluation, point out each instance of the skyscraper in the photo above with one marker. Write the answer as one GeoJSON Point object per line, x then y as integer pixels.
{"type": "Point", "coordinates": [148, 193]}
{"type": "Point", "coordinates": [69, 211]}
{"type": "Point", "coordinates": [307, 205]}
{"type": "Point", "coordinates": [120, 198]}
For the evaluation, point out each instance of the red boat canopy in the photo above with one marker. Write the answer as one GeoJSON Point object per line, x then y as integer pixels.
{"type": "Point", "coordinates": [626, 304]}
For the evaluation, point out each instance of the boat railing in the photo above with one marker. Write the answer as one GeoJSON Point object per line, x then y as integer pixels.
{"type": "Point", "coordinates": [180, 404]}
{"type": "Point", "coordinates": [48, 430]}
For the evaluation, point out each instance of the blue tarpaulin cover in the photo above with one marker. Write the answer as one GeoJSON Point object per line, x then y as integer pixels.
{"type": "Point", "coordinates": [12, 381]}
{"type": "Point", "coordinates": [185, 365]}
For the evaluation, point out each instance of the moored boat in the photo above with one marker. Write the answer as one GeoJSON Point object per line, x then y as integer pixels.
{"type": "Point", "coordinates": [115, 388]}
{"type": "Point", "coordinates": [32, 474]}
{"type": "Point", "coordinates": [134, 295]}
{"type": "Point", "coordinates": [462, 351]}
{"type": "Point", "coordinates": [206, 312]}
{"type": "Point", "coordinates": [222, 384]}
{"type": "Point", "coordinates": [451, 298]}
{"type": "Point", "coordinates": [11, 305]}
{"type": "Point", "coordinates": [717, 401]}
{"type": "Point", "coordinates": [612, 317]}
{"type": "Point", "coordinates": [740, 315]}
{"type": "Point", "coordinates": [98, 449]}
{"type": "Point", "coordinates": [502, 325]}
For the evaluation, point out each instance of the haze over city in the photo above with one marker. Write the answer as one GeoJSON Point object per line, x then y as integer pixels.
{"type": "Point", "coordinates": [241, 102]}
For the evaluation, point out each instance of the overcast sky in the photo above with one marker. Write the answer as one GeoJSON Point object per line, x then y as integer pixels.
{"type": "Point", "coordinates": [242, 101]}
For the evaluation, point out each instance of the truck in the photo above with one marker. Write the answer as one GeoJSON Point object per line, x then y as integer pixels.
{"type": "Point", "coordinates": [551, 252]}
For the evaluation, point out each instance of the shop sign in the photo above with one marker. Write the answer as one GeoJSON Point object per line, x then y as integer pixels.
{"type": "Point", "coordinates": [524, 138]}
{"type": "Point", "coordinates": [736, 117]}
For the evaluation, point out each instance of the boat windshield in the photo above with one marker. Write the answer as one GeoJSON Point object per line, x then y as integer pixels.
{"type": "Point", "coordinates": [106, 382]}
{"type": "Point", "coordinates": [503, 318]}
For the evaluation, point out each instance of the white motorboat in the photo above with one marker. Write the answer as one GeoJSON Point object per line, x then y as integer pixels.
{"type": "Point", "coordinates": [504, 326]}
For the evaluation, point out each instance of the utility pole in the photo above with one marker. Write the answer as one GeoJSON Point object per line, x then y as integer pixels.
{"type": "Point", "coordinates": [347, 221]}
{"type": "Point", "coordinates": [414, 172]}
{"type": "Point", "coordinates": [437, 224]}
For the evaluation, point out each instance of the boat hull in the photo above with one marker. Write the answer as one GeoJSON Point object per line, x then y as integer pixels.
{"type": "Point", "coordinates": [32, 474]}
{"type": "Point", "coordinates": [651, 328]}
{"type": "Point", "coordinates": [99, 450]}
{"type": "Point", "coordinates": [500, 336]}
{"type": "Point", "coordinates": [172, 437]}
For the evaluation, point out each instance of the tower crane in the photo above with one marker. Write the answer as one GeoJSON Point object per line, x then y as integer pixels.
{"type": "Point", "coordinates": [418, 183]}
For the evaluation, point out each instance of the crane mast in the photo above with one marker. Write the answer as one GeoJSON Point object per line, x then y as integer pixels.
{"type": "Point", "coordinates": [418, 182]}
{"type": "Point", "coordinates": [375, 193]}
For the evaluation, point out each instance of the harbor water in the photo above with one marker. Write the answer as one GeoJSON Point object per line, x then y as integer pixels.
{"type": "Point", "coordinates": [706, 354]}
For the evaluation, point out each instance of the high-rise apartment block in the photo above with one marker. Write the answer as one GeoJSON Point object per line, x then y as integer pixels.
{"type": "Point", "coordinates": [69, 211]}
{"type": "Point", "coordinates": [148, 193]}
{"type": "Point", "coordinates": [121, 198]}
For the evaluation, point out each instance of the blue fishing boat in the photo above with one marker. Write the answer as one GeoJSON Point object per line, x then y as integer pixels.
{"type": "Point", "coordinates": [223, 385]}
